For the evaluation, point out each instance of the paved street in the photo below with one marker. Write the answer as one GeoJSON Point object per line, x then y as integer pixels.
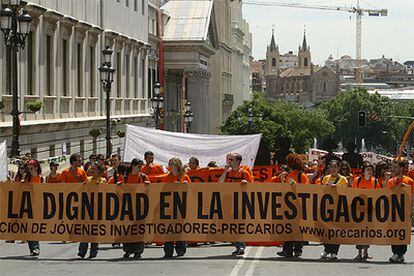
{"type": "Point", "coordinates": [58, 258]}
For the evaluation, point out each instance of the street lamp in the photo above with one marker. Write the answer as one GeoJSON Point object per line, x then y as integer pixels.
{"type": "Point", "coordinates": [106, 72]}
{"type": "Point", "coordinates": [188, 115]}
{"type": "Point", "coordinates": [157, 103]}
{"type": "Point", "coordinates": [15, 26]}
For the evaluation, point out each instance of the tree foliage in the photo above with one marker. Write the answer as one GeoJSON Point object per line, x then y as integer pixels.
{"type": "Point", "coordinates": [382, 135]}
{"type": "Point", "coordinates": [280, 120]}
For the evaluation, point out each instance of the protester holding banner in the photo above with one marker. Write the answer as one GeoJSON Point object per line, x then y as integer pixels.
{"type": "Point", "coordinates": [366, 181]}
{"type": "Point", "coordinates": [119, 175]}
{"type": "Point", "coordinates": [334, 179]}
{"type": "Point", "coordinates": [134, 175]}
{"type": "Point", "coordinates": [177, 175]}
{"type": "Point", "coordinates": [22, 173]}
{"type": "Point", "coordinates": [115, 161]}
{"type": "Point", "coordinates": [193, 164]}
{"type": "Point", "coordinates": [95, 179]}
{"type": "Point", "coordinates": [382, 173]}
{"type": "Point", "coordinates": [399, 180]}
{"type": "Point", "coordinates": [150, 167]}
{"type": "Point", "coordinates": [234, 172]}
{"type": "Point", "coordinates": [75, 173]}
{"type": "Point", "coordinates": [296, 176]}
{"type": "Point", "coordinates": [54, 176]}
{"type": "Point", "coordinates": [345, 170]}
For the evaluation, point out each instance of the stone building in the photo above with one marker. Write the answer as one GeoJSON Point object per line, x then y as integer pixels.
{"type": "Point", "coordinates": [59, 67]}
{"type": "Point", "coordinates": [190, 39]}
{"type": "Point", "coordinates": [305, 83]}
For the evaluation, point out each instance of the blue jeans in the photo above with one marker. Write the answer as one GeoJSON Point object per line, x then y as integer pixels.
{"type": "Point", "coordinates": [239, 245]}
{"type": "Point", "coordinates": [83, 248]}
{"type": "Point", "coordinates": [33, 245]}
{"type": "Point", "coordinates": [180, 248]}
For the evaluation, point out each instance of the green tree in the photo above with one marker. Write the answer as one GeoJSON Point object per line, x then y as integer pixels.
{"type": "Point", "coordinates": [384, 134]}
{"type": "Point", "coordinates": [279, 120]}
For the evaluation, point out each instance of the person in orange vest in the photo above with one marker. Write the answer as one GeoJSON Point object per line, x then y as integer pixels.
{"type": "Point", "coordinates": [193, 164]}
{"type": "Point", "coordinates": [397, 182]}
{"type": "Point", "coordinates": [54, 176]}
{"type": "Point", "coordinates": [176, 175]}
{"type": "Point", "coordinates": [234, 172]}
{"type": "Point", "coordinates": [75, 173]}
{"type": "Point", "coordinates": [94, 179]}
{"type": "Point", "coordinates": [365, 181]}
{"type": "Point", "coordinates": [134, 175]}
{"type": "Point", "coordinates": [34, 176]}
{"type": "Point", "coordinates": [296, 176]}
{"type": "Point", "coordinates": [333, 179]}
{"type": "Point", "coordinates": [150, 167]}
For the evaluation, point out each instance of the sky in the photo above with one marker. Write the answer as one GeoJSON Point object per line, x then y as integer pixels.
{"type": "Point", "coordinates": [333, 32]}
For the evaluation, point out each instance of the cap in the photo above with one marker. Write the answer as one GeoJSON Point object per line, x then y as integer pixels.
{"type": "Point", "coordinates": [136, 162]}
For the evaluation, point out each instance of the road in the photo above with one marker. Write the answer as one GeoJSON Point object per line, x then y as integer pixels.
{"type": "Point", "coordinates": [60, 259]}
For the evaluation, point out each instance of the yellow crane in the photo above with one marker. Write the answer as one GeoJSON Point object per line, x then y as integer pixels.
{"type": "Point", "coordinates": [358, 11]}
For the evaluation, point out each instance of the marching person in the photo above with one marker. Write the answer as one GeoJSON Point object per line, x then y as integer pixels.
{"type": "Point", "coordinates": [382, 173]}
{"type": "Point", "coordinates": [193, 164]}
{"type": "Point", "coordinates": [94, 179]}
{"type": "Point", "coordinates": [115, 162]}
{"type": "Point", "coordinates": [399, 181]}
{"type": "Point", "coordinates": [234, 172]}
{"type": "Point", "coordinates": [134, 175]}
{"type": "Point", "coordinates": [334, 179]}
{"type": "Point", "coordinates": [150, 167]}
{"type": "Point", "coordinates": [75, 173]}
{"type": "Point", "coordinates": [296, 176]}
{"type": "Point", "coordinates": [176, 175]}
{"type": "Point", "coordinates": [54, 176]}
{"type": "Point", "coordinates": [346, 171]}
{"type": "Point", "coordinates": [119, 176]}
{"type": "Point", "coordinates": [34, 176]}
{"type": "Point", "coordinates": [366, 181]}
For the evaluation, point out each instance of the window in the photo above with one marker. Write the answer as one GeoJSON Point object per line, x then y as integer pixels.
{"type": "Point", "coordinates": [64, 67]}
{"type": "Point", "coordinates": [143, 7]}
{"type": "Point", "coordinates": [118, 75]}
{"type": "Point", "coordinates": [135, 77]}
{"type": "Point", "coordinates": [149, 86]}
{"type": "Point", "coordinates": [128, 76]}
{"type": "Point", "coordinates": [142, 74]}
{"type": "Point", "coordinates": [273, 62]}
{"type": "Point", "coordinates": [135, 5]}
{"type": "Point", "coordinates": [52, 151]}
{"type": "Point", "coordinates": [127, 3]}
{"type": "Point", "coordinates": [79, 70]}
{"type": "Point", "coordinates": [305, 62]}
{"type": "Point", "coordinates": [30, 68]}
{"type": "Point", "coordinates": [92, 70]}
{"type": "Point", "coordinates": [48, 65]}
{"type": "Point", "coordinates": [325, 85]}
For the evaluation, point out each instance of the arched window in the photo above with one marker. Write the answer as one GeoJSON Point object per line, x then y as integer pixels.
{"type": "Point", "coordinates": [305, 62]}
{"type": "Point", "coordinates": [325, 87]}
{"type": "Point", "coordinates": [273, 62]}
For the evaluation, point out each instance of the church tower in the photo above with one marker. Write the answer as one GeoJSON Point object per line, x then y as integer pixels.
{"type": "Point", "coordinates": [304, 54]}
{"type": "Point", "coordinates": [272, 57]}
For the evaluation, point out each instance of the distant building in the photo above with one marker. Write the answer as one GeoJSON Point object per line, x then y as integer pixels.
{"type": "Point", "coordinates": [288, 60]}
{"type": "Point", "coordinates": [304, 83]}
{"type": "Point", "coordinates": [409, 66]}
{"type": "Point", "coordinates": [258, 68]}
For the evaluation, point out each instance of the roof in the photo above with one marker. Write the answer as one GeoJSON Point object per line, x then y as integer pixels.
{"type": "Point", "coordinates": [297, 72]}
{"type": "Point", "coordinates": [403, 95]}
{"type": "Point", "coordinates": [189, 20]}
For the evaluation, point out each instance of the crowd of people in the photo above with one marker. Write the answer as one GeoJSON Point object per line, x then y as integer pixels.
{"type": "Point", "coordinates": [296, 170]}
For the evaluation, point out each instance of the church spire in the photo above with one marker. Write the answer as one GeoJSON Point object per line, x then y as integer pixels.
{"type": "Point", "coordinates": [272, 41]}
{"type": "Point", "coordinates": [304, 44]}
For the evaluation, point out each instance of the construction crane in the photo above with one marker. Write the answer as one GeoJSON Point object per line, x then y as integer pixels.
{"type": "Point", "coordinates": [358, 11]}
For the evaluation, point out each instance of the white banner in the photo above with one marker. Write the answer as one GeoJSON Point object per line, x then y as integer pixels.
{"type": "Point", "coordinates": [205, 148]}
{"type": "Point", "coordinates": [3, 161]}
{"type": "Point", "coordinates": [370, 157]}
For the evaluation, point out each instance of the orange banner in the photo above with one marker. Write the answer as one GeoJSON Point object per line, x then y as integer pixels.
{"type": "Point", "coordinates": [208, 212]}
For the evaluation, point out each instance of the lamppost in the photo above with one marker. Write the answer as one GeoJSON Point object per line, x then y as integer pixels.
{"type": "Point", "coordinates": [107, 77]}
{"type": "Point", "coordinates": [250, 117]}
{"type": "Point", "coordinates": [15, 25]}
{"type": "Point", "coordinates": [157, 103]}
{"type": "Point", "coordinates": [188, 115]}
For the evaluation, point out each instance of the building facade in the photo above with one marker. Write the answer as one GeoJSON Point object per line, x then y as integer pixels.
{"type": "Point", "coordinates": [304, 83]}
{"type": "Point", "coordinates": [59, 67]}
